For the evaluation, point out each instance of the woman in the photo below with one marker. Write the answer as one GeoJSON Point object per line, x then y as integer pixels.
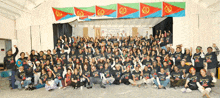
{"type": "Point", "coordinates": [37, 72]}
{"type": "Point", "coordinates": [126, 76]}
{"type": "Point", "coordinates": [67, 78]}
{"type": "Point", "coordinates": [50, 84]}
{"type": "Point", "coordinates": [58, 77]}
{"type": "Point", "coordinates": [204, 82]}
{"type": "Point", "coordinates": [76, 79]}
{"type": "Point", "coordinates": [86, 76]}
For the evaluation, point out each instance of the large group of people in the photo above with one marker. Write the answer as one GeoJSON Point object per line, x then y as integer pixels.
{"type": "Point", "coordinates": [139, 61]}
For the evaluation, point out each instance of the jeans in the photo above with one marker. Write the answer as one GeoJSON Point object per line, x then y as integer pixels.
{"type": "Point", "coordinates": [164, 83]}
{"type": "Point", "coordinates": [11, 78]}
{"type": "Point", "coordinates": [36, 77]}
{"type": "Point", "coordinates": [58, 81]}
{"type": "Point", "coordinates": [26, 82]}
{"type": "Point", "coordinates": [95, 81]}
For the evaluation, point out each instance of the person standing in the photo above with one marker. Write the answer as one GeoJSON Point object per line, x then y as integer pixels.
{"type": "Point", "coordinates": [9, 65]}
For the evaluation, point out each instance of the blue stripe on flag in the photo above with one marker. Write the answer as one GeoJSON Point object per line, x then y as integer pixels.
{"type": "Point", "coordinates": [179, 14]}
{"type": "Point", "coordinates": [156, 14]}
{"type": "Point", "coordinates": [67, 17]}
{"type": "Point", "coordinates": [114, 14]}
{"type": "Point", "coordinates": [132, 15]}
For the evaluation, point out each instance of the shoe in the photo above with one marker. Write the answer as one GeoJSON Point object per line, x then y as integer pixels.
{"type": "Point", "coordinates": [60, 87]}
{"type": "Point", "coordinates": [188, 90]}
{"type": "Point", "coordinates": [103, 86]}
{"type": "Point", "coordinates": [50, 90]}
{"type": "Point", "coordinates": [164, 87]}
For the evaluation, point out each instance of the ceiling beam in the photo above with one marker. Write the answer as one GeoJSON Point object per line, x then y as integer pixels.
{"type": "Point", "coordinates": [21, 6]}
{"type": "Point", "coordinates": [16, 7]}
{"type": "Point", "coordinates": [10, 11]}
{"type": "Point", "coordinates": [7, 16]}
{"type": "Point", "coordinates": [32, 2]}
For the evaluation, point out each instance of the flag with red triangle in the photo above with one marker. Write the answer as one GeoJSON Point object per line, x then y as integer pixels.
{"type": "Point", "coordinates": [101, 11]}
{"type": "Point", "coordinates": [147, 9]}
{"type": "Point", "coordinates": [127, 11]}
{"type": "Point", "coordinates": [60, 14]}
{"type": "Point", "coordinates": [82, 13]}
{"type": "Point", "coordinates": [173, 9]}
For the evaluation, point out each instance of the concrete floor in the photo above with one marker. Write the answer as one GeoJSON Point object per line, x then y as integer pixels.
{"type": "Point", "coordinates": [113, 91]}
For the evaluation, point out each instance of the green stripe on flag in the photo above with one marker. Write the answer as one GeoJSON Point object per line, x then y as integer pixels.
{"type": "Point", "coordinates": [156, 4]}
{"type": "Point", "coordinates": [89, 9]}
{"type": "Point", "coordinates": [132, 5]}
{"type": "Point", "coordinates": [178, 4]}
{"type": "Point", "coordinates": [66, 9]}
{"type": "Point", "coordinates": [112, 7]}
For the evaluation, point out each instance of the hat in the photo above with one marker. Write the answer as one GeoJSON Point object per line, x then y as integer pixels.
{"type": "Point", "coordinates": [37, 62]}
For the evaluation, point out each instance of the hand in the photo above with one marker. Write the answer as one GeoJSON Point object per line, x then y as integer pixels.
{"type": "Point", "coordinates": [22, 82]}
{"type": "Point", "coordinates": [15, 46]}
{"type": "Point", "coordinates": [212, 74]}
{"type": "Point", "coordinates": [160, 86]}
{"type": "Point", "coordinates": [214, 45]}
{"type": "Point", "coordinates": [5, 69]}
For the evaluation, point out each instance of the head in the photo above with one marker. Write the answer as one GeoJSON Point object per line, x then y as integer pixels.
{"type": "Point", "coordinates": [68, 71]}
{"type": "Point", "coordinates": [75, 71]}
{"type": "Point", "coordinates": [192, 70]}
{"type": "Point", "coordinates": [127, 69]}
{"type": "Point", "coordinates": [146, 68]}
{"type": "Point", "coordinates": [203, 72]}
{"type": "Point", "coordinates": [21, 68]}
{"type": "Point", "coordinates": [22, 54]}
{"type": "Point", "coordinates": [9, 53]}
{"type": "Point", "coordinates": [176, 69]}
{"type": "Point", "coordinates": [182, 63]}
{"type": "Point", "coordinates": [117, 67]}
{"type": "Point", "coordinates": [136, 69]}
{"type": "Point", "coordinates": [161, 70]}
{"type": "Point", "coordinates": [33, 52]}
{"type": "Point", "coordinates": [165, 64]}
{"type": "Point", "coordinates": [49, 52]}
{"type": "Point", "coordinates": [43, 71]}
{"type": "Point", "coordinates": [209, 49]}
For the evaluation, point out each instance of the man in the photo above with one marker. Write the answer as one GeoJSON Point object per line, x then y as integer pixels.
{"type": "Point", "coordinates": [147, 77]}
{"type": "Point", "coordinates": [198, 58]}
{"type": "Point", "coordinates": [177, 78]}
{"type": "Point", "coordinates": [21, 78]}
{"type": "Point", "coordinates": [117, 74]}
{"type": "Point", "coordinates": [191, 81]}
{"type": "Point", "coordinates": [9, 65]}
{"type": "Point", "coordinates": [162, 79]}
{"type": "Point", "coordinates": [211, 59]}
{"type": "Point", "coordinates": [107, 77]}
{"type": "Point", "coordinates": [204, 82]}
{"type": "Point", "coordinates": [136, 77]}
{"type": "Point", "coordinates": [96, 77]}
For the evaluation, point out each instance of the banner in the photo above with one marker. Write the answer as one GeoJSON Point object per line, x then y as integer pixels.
{"type": "Point", "coordinates": [63, 13]}
{"type": "Point", "coordinates": [173, 9]}
{"type": "Point", "coordinates": [125, 10]}
{"type": "Point", "coordinates": [150, 9]}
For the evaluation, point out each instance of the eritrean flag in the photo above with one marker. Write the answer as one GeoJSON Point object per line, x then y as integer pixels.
{"type": "Point", "coordinates": [84, 12]}
{"type": "Point", "coordinates": [150, 9]}
{"type": "Point", "coordinates": [63, 13]}
{"type": "Point", "coordinates": [128, 10]}
{"type": "Point", "coordinates": [173, 9]}
{"type": "Point", "coordinates": [109, 10]}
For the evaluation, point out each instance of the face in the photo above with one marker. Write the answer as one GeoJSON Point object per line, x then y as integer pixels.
{"type": "Point", "coordinates": [203, 73]}
{"type": "Point", "coordinates": [162, 70]}
{"type": "Point", "coordinates": [209, 50]}
{"type": "Point", "coordinates": [182, 62]}
{"type": "Point", "coordinates": [127, 69]}
{"type": "Point", "coordinates": [75, 71]}
{"type": "Point", "coordinates": [192, 71]}
{"type": "Point", "coordinates": [176, 69]}
{"type": "Point", "coordinates": [33, 52]}
{"type": "Point", "coordinates": [54, 51]}
{"type": "Point", "coordinates": [22, 55]}
{"type": "Point", "coordinates": [21, 68]}
{"type": "Point", "coordinates": [197, 51]}
{"type": "Point", "coordinates": [136, 68]}
{"type": "Point", "coordinates": [187, 51]}
{"type": "Point", "coordinates": [145, 68]}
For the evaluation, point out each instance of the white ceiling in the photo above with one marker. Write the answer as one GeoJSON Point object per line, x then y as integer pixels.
{"type": "Point", "coordinates": [13, 9]}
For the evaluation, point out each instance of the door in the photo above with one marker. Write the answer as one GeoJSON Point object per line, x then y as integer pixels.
{"type": "Point", "coordinates": [134, 31]}
{"type": "Point", "coordinates": [85, 31]}
{"type": "Point", "coordinates": [97, 32]}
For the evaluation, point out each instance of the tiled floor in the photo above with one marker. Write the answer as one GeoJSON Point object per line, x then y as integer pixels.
{"type": "Point", "coordinates": [113, 91]}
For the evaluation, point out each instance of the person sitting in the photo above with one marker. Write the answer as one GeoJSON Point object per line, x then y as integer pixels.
{"type": "Point", "coordinates": [191, 81]}
{"type": "Point", "coordinates": [96, 77]}
{"type": "Point", "coordinates": [20, 77]}
{"type": "Point", "coordinates": [204, 82]}
{"type": "Point", "coordinates": [147, 77]}
{"type": "Point", "coordinates": [162, 79]}
{"type": "Point", "coordinates": [107, 77]}
{"type": "Point", "coordinates": [117, 74]}
{"type": "Point", "coordinates": [177, 78]}
{"type": "Point", "coordinates": [136, 77]}
{"type": "Point", "coordinates": [50, 84]}
{"type": "Point", "coordinates": [76, 79]}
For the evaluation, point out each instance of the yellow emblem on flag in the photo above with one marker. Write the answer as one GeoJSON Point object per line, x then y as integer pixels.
{"type": "Point", "coordinates": [100, 12]}
{"type": "Point", "coordinates": [145, 10]}
{"type": "Point", "coordinates": [80, 13]}
{"type": "Point", "coordinates": [58, 14]}
{"type": "Point", "coordinates": [122, 10]}
{"type": "Point", "coordinates": [167, 9]}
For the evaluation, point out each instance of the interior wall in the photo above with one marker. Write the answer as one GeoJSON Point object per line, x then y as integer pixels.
{"type": "Point", "coordinates": [7, 28]}
{"type": "Point", "coordinates": [200, 27]}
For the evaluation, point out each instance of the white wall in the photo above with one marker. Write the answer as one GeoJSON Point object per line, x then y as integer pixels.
{"type": "Point", "coordinates": [200, 27]}
{"type": "Point", "coordinates": [7, 26]}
